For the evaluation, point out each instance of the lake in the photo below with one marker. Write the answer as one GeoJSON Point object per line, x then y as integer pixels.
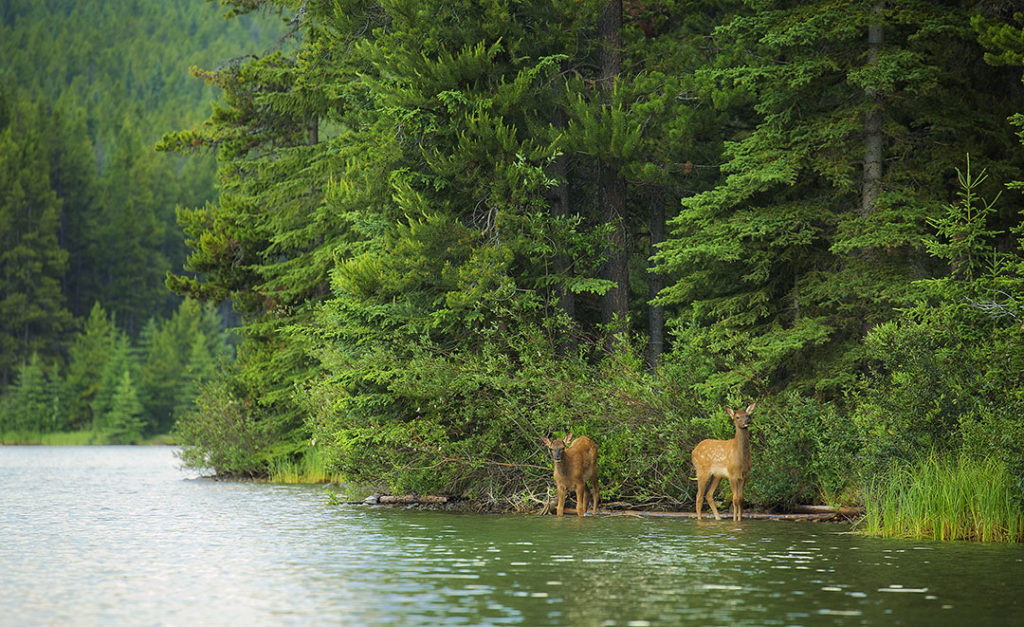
{"type": "Point", "coordinates": [123, 535]}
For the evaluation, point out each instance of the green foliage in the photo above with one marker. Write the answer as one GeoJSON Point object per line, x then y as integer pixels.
{"type": "Point", "coordinates": [312, 467]}
{"type": "Point", "coordinates": [220, 433]}
{"type": "Point", "coordinates": [407, 414]}
{"type": "Point", "coordinates": [34, 403]}
{"type": "Point", "coordinates": [32, 314]}
{"type": "Point", "coordinates": [804, 451]}
{"type": "Point", "coordinates": [947, 373]}
{"type": "Point", "coordinates": [88, 355]}
{"type": "Point", "coordinates": [412, 222]}
{"type": "Point", "coordinates": [122, 422]}
{"type": "Point", "coordinates": [787, 261]}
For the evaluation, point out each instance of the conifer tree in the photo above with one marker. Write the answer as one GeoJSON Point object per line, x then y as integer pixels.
{"type": "Point", "coordinates": [122, 423]}
{"type": "Point", "coordinates": [114, 370]}
{"type": "Point", "coordinates": [88, 356]}
{"type": "Point", "coordinates": [817, 229]}
{"type": "Point", "coordinates": [32, 314]}
{"type": "Point", "coordinates": [33, 401]}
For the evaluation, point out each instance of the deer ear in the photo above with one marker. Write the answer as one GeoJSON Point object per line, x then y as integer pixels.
{"type": "Point", "coordinates": [546, 441]}
{"type": "Point", "coordinates": [729, 411]}
{"type": "Point", "coordinates": [568, 438]}
{"type": "Point", "coordinates": [751, 408]}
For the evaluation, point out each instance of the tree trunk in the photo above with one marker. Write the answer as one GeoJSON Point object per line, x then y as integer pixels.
{"type": "Point", "coordinates": [872, 127]}
{"type": "Point", "coordinates": [656, 313]}
{"type": "Point", "coordinates": [615, 302]}
{"type": "Point", "coordinates": [611, 187]}
{"type": "Point", "coordinates": [560, 209]}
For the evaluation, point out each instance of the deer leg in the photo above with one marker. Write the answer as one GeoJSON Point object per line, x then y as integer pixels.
{"type": "Point", "coordinates": [702, 483]}
{"type": "Point", "coordinates": [561, 500]}
{"type": "Point", "coordinates": [581, 499]}
{"type": "Point", "coordinates": [737, 499]}
{"type": "Point", "coordinates": [596, 493]}
{"type": "Point", "coordinates": [711, 496]}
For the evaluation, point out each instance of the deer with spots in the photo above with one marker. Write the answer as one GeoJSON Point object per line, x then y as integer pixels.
{"type": "Point", "coordinates": [714, 459]}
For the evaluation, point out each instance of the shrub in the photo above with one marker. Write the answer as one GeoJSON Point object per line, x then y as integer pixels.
{"type": "Point", "coordinates": [220, 432]}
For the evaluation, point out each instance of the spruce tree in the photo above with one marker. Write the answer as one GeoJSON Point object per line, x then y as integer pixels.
{"type": "Point", "coordinates": [857, 117]}
{"type": "Point", "coordinates": [89, 353]}
{"type": "Point", "coordinates": [30, 407]}
{"type": "Point", "coordinates": [122, 423]}
{"type": "Point", "coordinates": [32, 264]}
{"type": "Point", "coordinates": [119, 363]}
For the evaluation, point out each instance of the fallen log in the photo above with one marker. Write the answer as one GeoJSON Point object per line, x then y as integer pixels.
{"type": "Point", "coordinates": [848, 512]}
{"type": "Point", "coordinates": [406, 499]}
{"type": "Point", "coordinates": [795, 517]}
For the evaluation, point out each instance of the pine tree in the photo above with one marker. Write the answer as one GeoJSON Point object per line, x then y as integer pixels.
{"type": "Point", "coordinates": [129, 243]}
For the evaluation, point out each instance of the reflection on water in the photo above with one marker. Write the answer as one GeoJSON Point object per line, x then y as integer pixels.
{"type": "Point", "coordinates": [121, 535]}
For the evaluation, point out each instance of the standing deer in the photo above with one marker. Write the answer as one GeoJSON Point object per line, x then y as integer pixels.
{"type": "Point", "coordinates": [714, 459]}
{"type": "Point", "coordinates": [575, 465]}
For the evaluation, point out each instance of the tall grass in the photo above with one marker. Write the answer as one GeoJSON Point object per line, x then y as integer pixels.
{"type": "Point", "coordinates": [946, 498]}
{"type": "Point", "coordinates": [312, 467]}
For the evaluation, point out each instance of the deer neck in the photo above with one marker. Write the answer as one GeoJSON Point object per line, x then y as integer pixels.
{"type": "Point", "coordinates": [742, 439]}
{"type": "Point", "coordinates": [561, 468]}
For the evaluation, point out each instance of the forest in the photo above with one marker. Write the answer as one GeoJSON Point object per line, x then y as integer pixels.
{"type": "Point", "coordinates": [91, 341]}
{"type": "Point", "coordinates": [450, 229]}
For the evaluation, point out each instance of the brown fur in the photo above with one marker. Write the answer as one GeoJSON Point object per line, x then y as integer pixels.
{"type": "Point", "coordinates": [714, 459]}
{"type": "Point", "coordinates": [575, 466]}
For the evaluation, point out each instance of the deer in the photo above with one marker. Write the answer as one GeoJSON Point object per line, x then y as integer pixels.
{"type": "Point", "coordinates": [714, 459]}
{"type": "Point", "coordinates": [575, 466]}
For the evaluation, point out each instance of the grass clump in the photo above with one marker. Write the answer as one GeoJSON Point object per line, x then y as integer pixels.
{"type": "Point", "coordinates": [946, 498]}
{"type": "Point", "coordinates": [311, 467]}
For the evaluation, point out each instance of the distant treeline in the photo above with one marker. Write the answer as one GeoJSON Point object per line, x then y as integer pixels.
{"type": "Point", "coordinates": [116, 389]}
{"type": "Point", "coordinates": [87, 206]}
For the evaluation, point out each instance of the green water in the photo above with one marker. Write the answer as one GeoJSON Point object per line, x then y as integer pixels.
{"type": "Point", "coordinates": [120, 535]}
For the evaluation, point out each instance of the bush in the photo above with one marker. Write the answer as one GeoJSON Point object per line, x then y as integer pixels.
{"type": "Point", "coordinates": [220, 432]}
{"type": "Point", "coordinates": [803, 452]}
{"type": "Point", "coordinates": [469, 423]}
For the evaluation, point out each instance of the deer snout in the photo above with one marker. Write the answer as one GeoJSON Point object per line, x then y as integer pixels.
{"type": "Point", "coordinates": [556, 454]}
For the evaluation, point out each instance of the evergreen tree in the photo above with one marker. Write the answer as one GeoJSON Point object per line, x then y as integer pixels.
{"type": "Point", "coordinates": [114, 369]}
{"type": "Point", "coordinates": [128, 248]}
{"type": "Point", "coordinates": [809, 241]}
{"type": "Point", "coordinates": [33, 403]}
{"type": "Point", "coordinates": [166, 352]}
{"type": "Point", "coordinates": [122, 423]}
{"type": "Point", "coordinates": [73, 178]}
{"type": "Point", "coordinates": [89, 354]}
{"type": "Point", "coordinates": [32, 314]}
{"type": "Point", "coordinates": [200, 370]}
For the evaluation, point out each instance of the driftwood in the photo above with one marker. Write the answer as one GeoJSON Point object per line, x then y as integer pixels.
{"type": "Point", "coordinates": [410, 498]}
{"type": "Point", "coordinates": [846, 512]}
{"type": "Point", "coordinates": [401, 499]}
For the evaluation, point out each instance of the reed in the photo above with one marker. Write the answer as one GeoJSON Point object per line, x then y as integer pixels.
{"type": "Point", "coordinates": [946, 498]}
{"type": "Point", "coordinates": [312, 467]}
